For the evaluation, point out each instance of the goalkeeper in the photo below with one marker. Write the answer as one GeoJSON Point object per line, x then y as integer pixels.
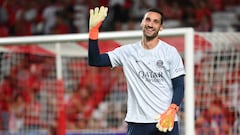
{"type": "Point", "coordinates": [154, 72]}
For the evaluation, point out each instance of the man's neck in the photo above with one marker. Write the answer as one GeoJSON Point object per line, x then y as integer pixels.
{"type": "Point", "coordinates": [149, 44]}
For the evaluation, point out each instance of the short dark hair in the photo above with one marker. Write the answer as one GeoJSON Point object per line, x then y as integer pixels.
{"type": "Point", "coordinates": [157, 11]}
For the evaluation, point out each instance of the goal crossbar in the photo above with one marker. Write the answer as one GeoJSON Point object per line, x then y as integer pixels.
{"type": "Point", "coordinates": [84, 36]}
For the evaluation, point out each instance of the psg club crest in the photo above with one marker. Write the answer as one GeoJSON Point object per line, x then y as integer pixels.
{"type": "Point", "coordinates": [159, 63]}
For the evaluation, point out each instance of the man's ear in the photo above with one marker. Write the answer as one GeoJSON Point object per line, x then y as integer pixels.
{"type": "Point", "coordinates": [161, 28]}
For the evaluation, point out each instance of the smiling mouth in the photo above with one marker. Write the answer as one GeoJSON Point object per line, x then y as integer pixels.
{"type": "Point", "coordinates": [149, 29]}
{"type": "Point", "coordinates": [149, 32]}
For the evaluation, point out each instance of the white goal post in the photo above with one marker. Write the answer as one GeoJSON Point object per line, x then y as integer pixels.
{"type": "Point", "coordinates": [187, 33]}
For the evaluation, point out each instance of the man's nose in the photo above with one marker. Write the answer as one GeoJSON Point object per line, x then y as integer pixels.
{"type": "Point", "coordinates": [150, 24]}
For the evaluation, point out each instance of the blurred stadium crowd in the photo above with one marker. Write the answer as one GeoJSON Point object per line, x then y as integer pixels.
{"type": "Point", "coordinates": [87, 104]}
{"type": "Point", "coordinates": [34, 17]}
{"type": "Point", "coordinates": [29, 98]}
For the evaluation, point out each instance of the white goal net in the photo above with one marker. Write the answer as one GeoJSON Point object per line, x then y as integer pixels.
{"type": "Point", "coordinates": [47, 86]}
{"type": "Point", "coordinates": [217, 84]}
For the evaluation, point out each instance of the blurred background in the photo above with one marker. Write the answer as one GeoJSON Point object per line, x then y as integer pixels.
{"type": "Point", "coordinates": [94, 99]}
{"type": "Point", "coordinates": [37, 17]}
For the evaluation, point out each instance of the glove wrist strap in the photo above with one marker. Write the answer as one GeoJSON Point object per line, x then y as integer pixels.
{"type": "Point", "coordinates": [174, 106]}
{"type": "Point", "coordinates": [93, 32]}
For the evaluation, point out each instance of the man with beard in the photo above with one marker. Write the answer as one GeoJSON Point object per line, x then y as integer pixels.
{"type": "Point", "coordinates": [154, 72]}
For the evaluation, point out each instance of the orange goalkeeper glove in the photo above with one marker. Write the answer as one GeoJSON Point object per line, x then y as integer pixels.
{"type": "Point", "coordinates": [97, 15]}
{"type": "Point", "coordinates": [166, 120]}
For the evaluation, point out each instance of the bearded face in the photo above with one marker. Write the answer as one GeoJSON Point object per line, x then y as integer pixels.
{"type": "Point", "coordinates": [151, 25]}
{"type": "Point", "coordinates": [150, 33]}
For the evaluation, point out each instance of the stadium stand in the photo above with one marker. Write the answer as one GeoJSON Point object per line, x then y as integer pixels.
{"type": "Point", "coordinates": [42, 17]}
{"type": "Point", "coordinates": [34, 17]}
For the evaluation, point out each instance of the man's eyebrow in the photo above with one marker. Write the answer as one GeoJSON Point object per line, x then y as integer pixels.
{"type": "Point", "coordinates": [155, 20]}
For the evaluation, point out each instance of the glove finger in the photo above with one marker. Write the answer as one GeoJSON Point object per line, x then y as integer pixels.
{"type": "Point", "coordinates": [105, 11]}
{"type": "Point", "coordinates": [102, 9]}
{"type": "Point", "coordinates": [96, 10]}
{"type": "Point", "coordinates": [157, 125]}
{"type": "Point", "coordinates": [91, 12]}
{"type": "Point", "coordinates": [102, 12]}
{"type": "Point", "coordinates": [162, 129]}
{"type": "Point", "coordinates": [170, 128]}
{"type": "Point", "coordinates": [162, 126]}
{"type": "Point", "coordinates": [165, 125]}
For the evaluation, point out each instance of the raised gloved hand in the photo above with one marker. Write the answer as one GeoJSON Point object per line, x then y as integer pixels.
{"type": "Point", "coordinates": [97, 15]}
{"type": "Point", "coordinates": [166, 120]}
